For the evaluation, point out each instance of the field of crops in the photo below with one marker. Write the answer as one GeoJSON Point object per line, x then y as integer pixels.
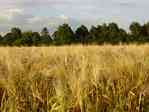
{"type": "Point", "coordinates": [74, 79]}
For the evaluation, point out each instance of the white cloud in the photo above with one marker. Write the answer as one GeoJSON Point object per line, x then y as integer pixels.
{"type": "Point", "coordinates": [35, 14]}
{"type": "Point", "coordinates": [10, 13]}
{"type": "Point", "coordinates": [52, 22]}
{"type": "Point", "coordinates": [15, 10]}
{"type": "Point", "coordinates": [65, 18]}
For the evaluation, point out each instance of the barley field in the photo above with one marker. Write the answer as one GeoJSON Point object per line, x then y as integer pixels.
{"type": "Point", "coordinates": [74, 79]}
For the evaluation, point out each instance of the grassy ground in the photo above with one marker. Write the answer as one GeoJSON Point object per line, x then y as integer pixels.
{"type": "Point", "coordinates": [75, 79]}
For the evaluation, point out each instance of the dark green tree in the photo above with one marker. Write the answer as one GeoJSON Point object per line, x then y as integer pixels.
{"type": "Point", "coordinates": [135, 30]}
{"type": "Point", "coordinates": [1, 40]}
{"type": "Point", "coordinates": [82, 34]}
{"type": "Point", "coordinates": [113, 33]}
{"type": "Point", "coordinates": [8, 39]}
{"type": "Point", "coordinates": [16, 31]}
{"type": "Point", "coordinates": [145, 33]}
{"type": "Point", "coordinates": [100, 34]}
{"type": "Point", "coordinates": [123, 36]}
{"type": "Point", "coordinates": [105, 33]}
{"type": "Point", "coordinates": [63, 35]}
{"type": "Point", "coordinates": [96, 34]}
{"type": "Point", "coordinates": [27, 38]}
{"type": "Point", "coordinates": [14, 35]}
{"type": "Point", "coordinates": [146, 28]}
{"type": "Point", "coordinates": [36, 39]}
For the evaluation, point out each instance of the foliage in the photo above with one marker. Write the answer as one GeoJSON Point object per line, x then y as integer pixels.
{"type": "Point", "coordinates": [82, 34]}
{"type": "Point", "coordinates": [64, 35]}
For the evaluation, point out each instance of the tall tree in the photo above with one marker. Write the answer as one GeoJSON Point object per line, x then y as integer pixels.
{"type": "Point", "coordinates": [10, 38]}
{"type": "Point", "coordinates": [1, 40]}
{"type": "Point", "coordinates": [36, 38]}
{"type": "Point", "coordinates": [145, 29]}
{"type": "Point", "coordinates": [145, 32]}
{"type": "Point", "coordinates": [82, 34]}
{"type": "Point", "coordinates": [104, 32]}
{"type": "Point", "coordinates": [123, 36]}
{"type": "Point", "coordinates": [113, 33]}
{"type": "Point", "coordinates": [64, 35]}
{"type": "Point", "coordinates": [135, 29]}
{"type": "Point", "coordinates": [96, 34]}
{"type": "Point", "coordinates": [27, 38]}
{"type": "Point", "coordinates": [16, 31]}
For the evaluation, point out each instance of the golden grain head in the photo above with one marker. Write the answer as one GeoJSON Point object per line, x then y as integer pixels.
{"type": "Point", "coordinates": [74, 79]}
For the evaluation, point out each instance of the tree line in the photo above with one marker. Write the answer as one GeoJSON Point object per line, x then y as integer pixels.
{"type": "Point", "coordinates": [64, 35]}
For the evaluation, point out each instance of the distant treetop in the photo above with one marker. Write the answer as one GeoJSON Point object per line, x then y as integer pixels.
{"type": "Point", "coordinates": [106, 33]}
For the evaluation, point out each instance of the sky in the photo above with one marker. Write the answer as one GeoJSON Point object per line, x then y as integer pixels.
{"type": "Point", "coordinates": [36, 14]}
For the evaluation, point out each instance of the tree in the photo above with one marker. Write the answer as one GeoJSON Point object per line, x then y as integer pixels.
{"type": "Point", "coordinates": [14, 35]}
{"type": "Point", "coordinates": [16, 32]}
{"type": "Point", "coordinates": [104, 33]}
{"type": "Point", "coordinates": [123, 36]}
{"type": "Point", "coordinates": [113, 33]}
{"type": "Point", "coordinates": [45, 37]}
{"type": "Point", "coordinates": [144, 35]}
{"type": "Point", "coordinates": [82, 34]}
{"type": "Point", "coordinates": [63, 35]}
{"type": "Point", "coordinates": [96, 34]}
{"type": "Point", "coordinates": [113, 27]}
{"type": "Point", "coordinates": [135, 29]}
{"type": "Point", "coordinates": [1, 40]}
{"type": "Point", "coordinates": [100, 34]}
{"type": "Point", "coordinates": [146, 29]}
{"type": "Point", "coordinates": [27, 38]}
{"type": "Point", "coordinates": [8, 39]}
{"type": "Point", "coordinates": [36, 39]}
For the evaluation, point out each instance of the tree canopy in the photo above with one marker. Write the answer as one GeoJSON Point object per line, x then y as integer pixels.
{"type": "Point", "coordinates": [64, 35]}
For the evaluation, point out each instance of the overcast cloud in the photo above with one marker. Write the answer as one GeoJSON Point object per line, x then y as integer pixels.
{"type": "Point", "coordinates": [35, 14]}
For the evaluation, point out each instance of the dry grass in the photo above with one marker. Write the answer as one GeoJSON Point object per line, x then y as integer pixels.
{"type": "Point", "coordinates": [75, 79]}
